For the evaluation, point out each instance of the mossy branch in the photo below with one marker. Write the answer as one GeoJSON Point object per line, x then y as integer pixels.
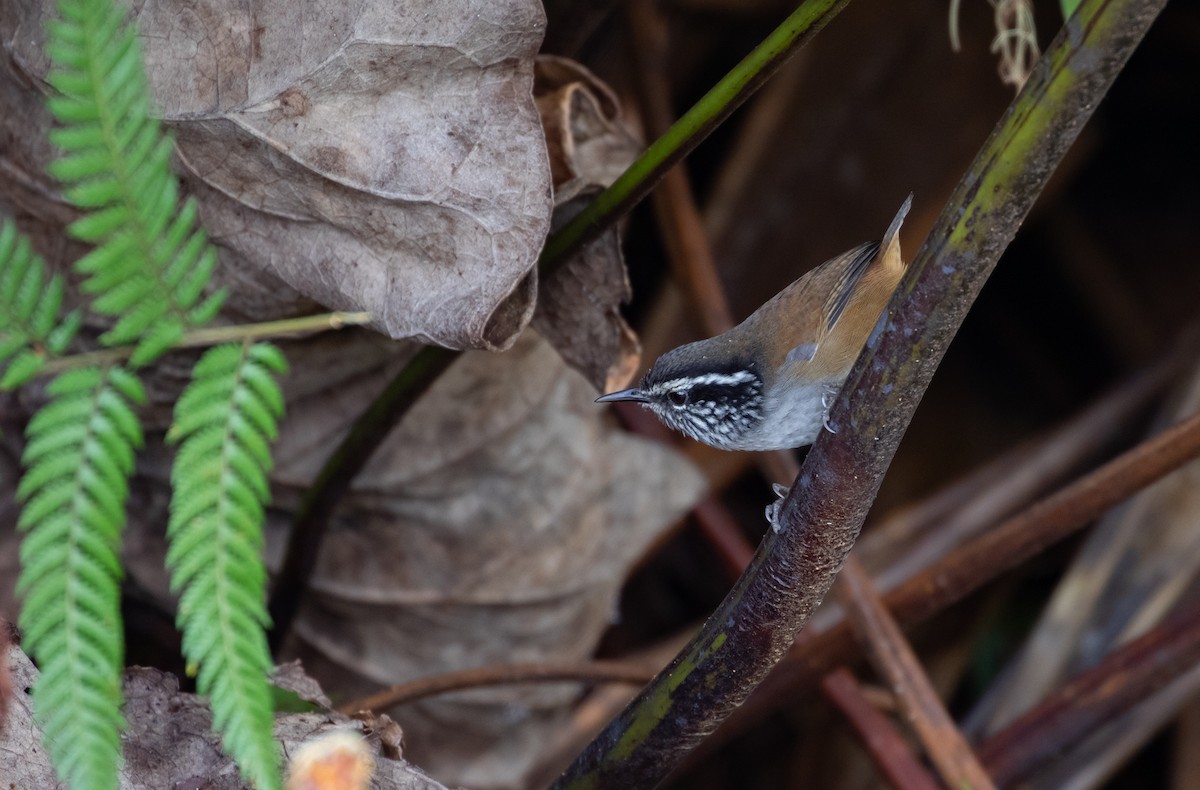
{"type": "Point", "coordinates": [374, 424]}
{"type": "Point", "coordinates": [825, 508]}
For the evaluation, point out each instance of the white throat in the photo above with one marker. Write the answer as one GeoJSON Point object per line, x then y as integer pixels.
{"type": "Point", "coordinates": [792, 417]}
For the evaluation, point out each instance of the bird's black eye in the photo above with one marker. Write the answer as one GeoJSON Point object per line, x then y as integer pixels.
{"type": "Point", "coordinates": [677, 397]}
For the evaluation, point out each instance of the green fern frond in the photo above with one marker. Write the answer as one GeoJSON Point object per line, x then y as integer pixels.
{"type": "Point", "coordinates": [78, 458]}
{"type": "Point", "coordinates": [224, 422]}
{"type": "Point", "coordinates": [151, 264]}
{"type": "Point", "coordinates": [30, 329]}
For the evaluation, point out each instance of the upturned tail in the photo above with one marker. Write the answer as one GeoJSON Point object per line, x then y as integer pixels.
{"type": "Point", "coordinates": [890, 245]}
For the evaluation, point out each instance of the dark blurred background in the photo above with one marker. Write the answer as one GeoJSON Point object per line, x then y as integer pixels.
{"type": "Point", "coordinates": [1099, 282]}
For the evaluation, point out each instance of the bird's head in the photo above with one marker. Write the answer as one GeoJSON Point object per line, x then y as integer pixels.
{"type": "Point", "coordinates": [701, 391]}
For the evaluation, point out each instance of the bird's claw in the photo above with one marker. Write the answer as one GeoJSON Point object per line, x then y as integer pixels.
{"type": "Point", "coordinates": [826, 403]}
{"type": "Point", "coordinates": [772, 510]}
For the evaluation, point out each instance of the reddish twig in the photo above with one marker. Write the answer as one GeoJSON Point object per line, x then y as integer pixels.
{"type": "Point", "coordinates": [1125, 677]}
{"type": "Point", "coordinates": [724, 534]}
{"type": "Point", "coordinates": [895, 661]}
{"type": "Point", "coordinates": [686, 242]}
{"type": "Point", "coordinates": [886, 746]}
{"type": "Point", "coordinates": [905, 543]}
{"type": "Point", "coordinates": [1047, 522]}
{"type": "Point", "coordinates": [819, 519]}
{"type": "Point", "coordinates": [982, 560]}
{"type": "Point", "coordinates": [503, 675]}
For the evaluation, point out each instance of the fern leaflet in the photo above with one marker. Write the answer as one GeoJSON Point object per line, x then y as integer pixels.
{"type": "Point", "coordinates": [224, 422]}
{"type": "Point", "coordinates": [78, 458]}
{"type": "Point", "coordinates": [30, 330]}
{"type": "Point", "coordinates": [151, 265]}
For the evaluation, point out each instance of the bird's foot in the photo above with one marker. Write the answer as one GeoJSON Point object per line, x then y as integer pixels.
{"type": "Point", "coordinates": [772, 510]}
{"type": "Point", "coordinates": [827, 399]}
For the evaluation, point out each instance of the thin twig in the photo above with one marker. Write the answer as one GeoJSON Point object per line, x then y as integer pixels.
{"type": "Point", "coordinates": [1097, 756]}
{"type": "Point", "coordinates": [389, 407]}
{"type": "Point", "coordinates": [1122, 679]}
{"type": "Point", "coordinates": [502, 675]}
{"type": "Point", "coordinates": [1143, 555]}
{"type": "Point", "coordinates": [212, 335]}
{"type": "Point", "coordinates": [983, 559]}
{"type": "Point", "coordinates": [795, 565]}
{"type": "Point", "coordinates": [814, 654]}
{"type": "Point", "coordinates": [894, 660]}
{"type": "Point", "coordinates": [688, 249]}
{"type": "Point", "coordinates": [905, 543]}
{"type": "Point", "coordinates": [691, 258]}
{"type": "Point", "coordinates": [888, 749]}
{"type": "Point", "coordinates": [1047, 522]}
{"type": "Point", "coordinates": [695, 125]}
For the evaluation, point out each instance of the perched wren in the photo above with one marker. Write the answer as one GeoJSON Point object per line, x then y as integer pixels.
{"type": "Point", "coordinates": [767, 383]}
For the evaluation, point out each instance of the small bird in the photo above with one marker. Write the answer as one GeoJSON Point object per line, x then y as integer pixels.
{"type": "Point", "coordinates": [767, 383]}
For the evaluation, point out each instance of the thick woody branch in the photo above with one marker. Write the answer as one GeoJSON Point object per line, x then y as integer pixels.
{"type": "Point", "coordinates": [795, 566]}
{"type": "Point", "coordinates": [376, 422]}
{"type": "Point", "coordinates": [981, 560]}
{"type": "Point", "coordinates": [889, 751]}
{"type": "Point", "coordinates": [694, 268]}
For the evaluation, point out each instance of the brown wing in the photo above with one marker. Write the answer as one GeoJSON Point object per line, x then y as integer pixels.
{"type": "Point", "coordinates": [852, 265]}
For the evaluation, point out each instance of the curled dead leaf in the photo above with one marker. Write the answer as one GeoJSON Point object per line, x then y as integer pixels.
{"type": "Point", "coordinates": [164, 721]}
{"type": "Point", "coordinates": [579, 304]}
{"type": "Point", "coordinates": [494, 525]}
{"type": "Point", "coordinates": [374, 156]}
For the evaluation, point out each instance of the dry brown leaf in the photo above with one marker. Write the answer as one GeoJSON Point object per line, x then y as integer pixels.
{"type": "Point", "coordinates": [587, 141]}
{"type": "Point", "coordinates": [7, 638]}
{"type": "Point", "coordinates": [384, 729]}
{"type": "Point", "coordinates": [578, 305]}
{"type": "Point", "coordinates": [1131, 571]}
{"type": "Point", "coordinates": [169, 742]}
{"type": "Point", "coordinates": [579, 308]}
{"type": "Point", "coordinates": [371, 156]}
{"type": "Point", "coordinates": [23, 760]}
{"type": "Point", "coordinates": [290, 676]}
{"type": "Point", "coordinates": [498, 521]}
{"type": "Point", "coordinates": [495, 525]}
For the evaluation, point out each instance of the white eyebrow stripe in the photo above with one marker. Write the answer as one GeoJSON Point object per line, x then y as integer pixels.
{"type": "Point", "coordinates": [706, 379]}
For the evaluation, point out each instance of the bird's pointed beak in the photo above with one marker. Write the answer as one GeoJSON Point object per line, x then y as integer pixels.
{"type": "Point", "coordinates": [635, 395]}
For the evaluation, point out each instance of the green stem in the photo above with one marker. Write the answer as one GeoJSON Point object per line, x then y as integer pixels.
{"type": "Point", "coordinates": [211, 336]}
{"type": "Point", "coordinates": [633, 185]}
{"type": "Point", "coordinates": [690, 130]}
{"type": "Point", "coordinates": [819, 520]}
{"type": "Point", "coordinates": [333, 481]}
